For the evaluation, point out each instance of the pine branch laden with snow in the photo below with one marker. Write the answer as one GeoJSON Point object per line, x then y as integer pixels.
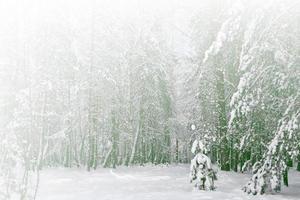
{"type": "Point", "coordinates": [228, 31]}
{"type": "Point", "coordinates": [268, 172]}
{"type": "Point", "coordinates": [267, 85]}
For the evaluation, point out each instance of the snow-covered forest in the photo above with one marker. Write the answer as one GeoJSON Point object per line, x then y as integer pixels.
{"type": "Point", "coordinates": [93, 84]}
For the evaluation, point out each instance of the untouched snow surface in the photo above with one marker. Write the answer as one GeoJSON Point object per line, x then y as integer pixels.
{"type": "Point", "coordinates": [147, 183]}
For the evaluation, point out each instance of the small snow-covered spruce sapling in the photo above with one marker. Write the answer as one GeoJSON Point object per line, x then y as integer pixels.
{"type": "Point", "coordinates": [201, 168]}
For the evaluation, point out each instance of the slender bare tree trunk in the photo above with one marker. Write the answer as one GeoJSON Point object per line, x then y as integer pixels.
{"type": "Point", "coordinates": [137, 132]}
{"type": "Point", "coordinates": [42, 147]}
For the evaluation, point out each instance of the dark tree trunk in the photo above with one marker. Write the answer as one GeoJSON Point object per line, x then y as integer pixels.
{"type": "Point", "coordinates": [298, 165]}
{"type": "Point", "coordinates": [176, 151]}
{"type": "Point", "coordinates": [285, 177]}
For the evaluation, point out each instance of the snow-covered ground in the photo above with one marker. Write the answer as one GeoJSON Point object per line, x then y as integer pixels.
{"type": "Point", "coordinates": [147, 183]}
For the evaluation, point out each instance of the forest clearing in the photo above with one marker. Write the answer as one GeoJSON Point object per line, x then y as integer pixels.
{"type": "Point", "coordinates": [146, 183]}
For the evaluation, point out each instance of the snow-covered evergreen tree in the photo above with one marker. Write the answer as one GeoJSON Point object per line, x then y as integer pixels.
{"type": "Point", "coordinates": [265, 115]}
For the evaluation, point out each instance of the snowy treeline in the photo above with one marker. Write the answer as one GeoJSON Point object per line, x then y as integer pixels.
{"type": "Point", "coordinates": [101, 84]}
